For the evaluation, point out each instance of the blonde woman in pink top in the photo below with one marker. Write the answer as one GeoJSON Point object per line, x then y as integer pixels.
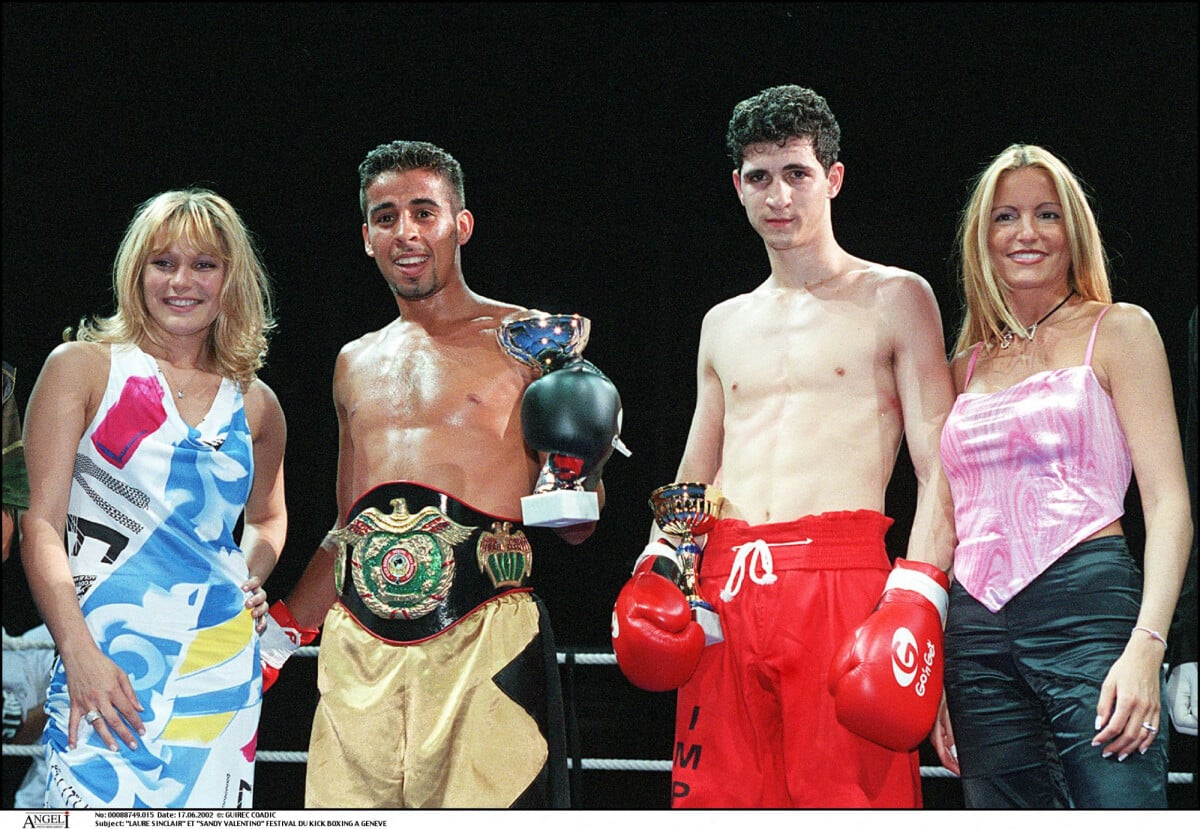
{"type": "Point", "coordinates": [1055, 635]}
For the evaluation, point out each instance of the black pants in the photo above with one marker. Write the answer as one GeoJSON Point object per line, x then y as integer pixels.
{"type": "Point", "coordinates": [1022, 686]}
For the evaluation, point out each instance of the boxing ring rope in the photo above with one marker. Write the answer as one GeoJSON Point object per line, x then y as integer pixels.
{"type": "Point", "coordinates": [570, 659]}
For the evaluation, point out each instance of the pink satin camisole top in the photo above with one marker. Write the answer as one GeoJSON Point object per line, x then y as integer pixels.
{"type": "Point", "coordinates": [1034, 469]}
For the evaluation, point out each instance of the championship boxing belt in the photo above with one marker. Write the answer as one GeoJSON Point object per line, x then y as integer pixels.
{"type": "Point", "coordinates": [412, 561]}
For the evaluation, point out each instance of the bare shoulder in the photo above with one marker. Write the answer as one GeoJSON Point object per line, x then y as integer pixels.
{"type": "Point", "coordinates": [369, 345]}
{"type": "Point", "coordinates": [1126, 331]}
{"type": "Point", "coordinates": [1125, 318]}
{"type": "Point", "coordinates": [895, 283]}
{"type": "Point", "coordinates": [1129, 351]}
{"type": "Point", "coordinates": [903, 305]}
{"type": "Point", "coordinates": [357, 354]}
{"type": "Point", "coordinates": [904, 300]}
{"type": "Point", "coordinates": [487, 315]}
{"type": "Point", "coordinates": [81, 362]}
{"type": "Point", "coordinates": [73, 378]}
{"type": "Point", "coordinates": [498, 310]}
{"type": "Point", "coordinates": [732, 307]}
{"type": "Point", "coordinates": [262, 406]}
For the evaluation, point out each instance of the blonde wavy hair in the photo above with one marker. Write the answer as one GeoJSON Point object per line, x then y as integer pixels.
{"type": "Point", "coordinates": [237, 339]}
{"type": "Point", "coordinates": [988, 313]}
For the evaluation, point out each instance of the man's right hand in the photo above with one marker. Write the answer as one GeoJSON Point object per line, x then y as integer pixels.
{"type": "Point", "coordinates": [656, 640]}
{"type": "Point", "coordinates": [886, 679]}
{"type": "Point", "coordinates": [280, 640]}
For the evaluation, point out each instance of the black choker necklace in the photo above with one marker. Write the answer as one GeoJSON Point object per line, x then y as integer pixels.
{"type": "Point", "coordinates": [1007, 337]}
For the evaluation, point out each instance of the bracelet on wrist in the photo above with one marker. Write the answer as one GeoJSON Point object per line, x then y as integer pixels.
{"type": "Point", "coordinates": [1153, 634]}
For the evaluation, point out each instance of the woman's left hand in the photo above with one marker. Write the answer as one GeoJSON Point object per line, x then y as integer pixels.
{"type": "Point", "coordinates": [942, 738]}
{"type": "Point", "coordinates": [256, 601]}
{"type": "Point", "coordinates": [1129, 710]}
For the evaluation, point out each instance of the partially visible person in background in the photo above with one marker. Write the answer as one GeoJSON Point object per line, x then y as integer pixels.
{"type": "Point", "coordinates": [27, 658]}
{"type": "Point", "coordinates": [16, 479]}
{"type": "Point", "coordinates": [147, 439]}
{"type": "Point", "coordinates": [1181, 686]}
{"type": "Point", "coordinates": [27, 661]}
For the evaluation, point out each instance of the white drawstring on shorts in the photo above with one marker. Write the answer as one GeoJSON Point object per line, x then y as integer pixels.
{"type": "Point", "coordinates": [759, 553]}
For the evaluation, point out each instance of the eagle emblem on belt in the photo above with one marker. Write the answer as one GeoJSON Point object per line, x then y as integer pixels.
{"type": "Point", "coordinates": [505, 556]}
{"type": "Point", "coordinates": [402, 563]}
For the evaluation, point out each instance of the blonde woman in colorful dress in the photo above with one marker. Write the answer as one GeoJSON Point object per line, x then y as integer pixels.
{"type": "Point", "coordinates": [147, 438]}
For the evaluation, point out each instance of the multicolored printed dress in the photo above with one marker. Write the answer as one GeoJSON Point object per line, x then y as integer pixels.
{"type": "Point", "coordinates": [150, 538]}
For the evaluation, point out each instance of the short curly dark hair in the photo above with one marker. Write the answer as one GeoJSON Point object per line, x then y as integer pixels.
{"type": "Point", "coordinates": [780, 113]}
{"type": "Point", "coordinates": [410, 155]}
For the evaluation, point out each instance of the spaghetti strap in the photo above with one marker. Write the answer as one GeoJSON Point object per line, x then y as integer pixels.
{"type": "Point", "coordinates": [971, 365]}
{"type": "Point", "coordinates": [1087, 358]}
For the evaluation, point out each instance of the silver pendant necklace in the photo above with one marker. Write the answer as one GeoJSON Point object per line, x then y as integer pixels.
{"type": "Point", "coordinates": [1007, 337]}
{"type": "Point", "coordinates": [179, 391]}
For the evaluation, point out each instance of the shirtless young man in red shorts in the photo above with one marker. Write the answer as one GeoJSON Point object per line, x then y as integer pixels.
{"type": "Point", "coordinates": [806, 386]}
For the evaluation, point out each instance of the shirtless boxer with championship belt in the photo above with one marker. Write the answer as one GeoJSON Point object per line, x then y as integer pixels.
{"type": "Point", "coordinates": [805, 387]}
{"type": "Point", "coordinates": [437, 672]}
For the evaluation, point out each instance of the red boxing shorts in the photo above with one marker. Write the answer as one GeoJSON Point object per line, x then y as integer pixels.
{"type": "Point", "coordinates": [755, 725]}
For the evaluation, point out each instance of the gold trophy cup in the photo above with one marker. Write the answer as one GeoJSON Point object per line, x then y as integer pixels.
{"type": "Point", "coordinates": [684, 510]}
{"type": "Point", "coordinates": [549, 343]}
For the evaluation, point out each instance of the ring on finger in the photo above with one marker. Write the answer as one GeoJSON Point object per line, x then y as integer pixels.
{"type": "Point", "coordinates": [92, 716]}
{"type": "Point", "coordinates": [1149, 728]}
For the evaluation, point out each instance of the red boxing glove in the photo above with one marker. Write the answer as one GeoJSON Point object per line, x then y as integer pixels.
{"type": "Point", "coordinates": [886, 679]}
{"type": "Point", "coordinates": [656, 640]}
{"type": "Point", "coordinates": [280, 640]}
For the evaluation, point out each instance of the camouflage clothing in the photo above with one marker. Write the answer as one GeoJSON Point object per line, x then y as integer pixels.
{"type": "Point", "coordinates": [16, 483]}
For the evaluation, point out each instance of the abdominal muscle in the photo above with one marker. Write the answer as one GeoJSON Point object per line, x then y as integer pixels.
{"type": "Point", "coordinates": [487, 473]}
{"type": "Point", "coordinates": [804, 454]}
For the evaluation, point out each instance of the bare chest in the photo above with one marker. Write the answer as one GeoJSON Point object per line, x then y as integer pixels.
{"type": "Point", "coordinates": [446, 386]}
{"type": "Point", "coordinates": [799, 351]}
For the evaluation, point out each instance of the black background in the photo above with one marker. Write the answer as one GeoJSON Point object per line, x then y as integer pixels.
{"type": "Point", "coordinates": [592, 138]}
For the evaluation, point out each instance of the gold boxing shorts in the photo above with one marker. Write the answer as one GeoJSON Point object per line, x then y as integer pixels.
{"type": "Point", "coordinates": [437, 691]}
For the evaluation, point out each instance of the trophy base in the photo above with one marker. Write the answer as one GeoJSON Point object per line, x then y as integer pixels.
{"type": "Point", "coordinates": [709, 622]}
{"type": "Point", "coordinates": [560, 508]}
